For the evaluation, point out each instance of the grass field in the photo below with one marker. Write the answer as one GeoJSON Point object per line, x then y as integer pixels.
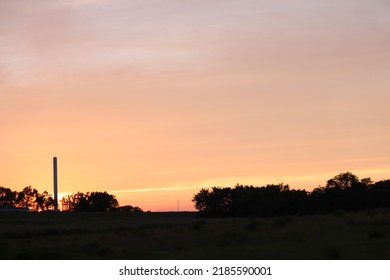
{"type": "Point", "coordinates": [362, 235]}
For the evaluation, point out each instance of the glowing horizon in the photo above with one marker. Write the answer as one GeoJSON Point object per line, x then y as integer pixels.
{"type": "Point", "coordinates": [180, 192]}
{"type": "Point", "coordinates": [156, 99]}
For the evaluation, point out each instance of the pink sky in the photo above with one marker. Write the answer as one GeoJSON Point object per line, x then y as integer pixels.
{"type": "Point", "coordinates": [153, 100]}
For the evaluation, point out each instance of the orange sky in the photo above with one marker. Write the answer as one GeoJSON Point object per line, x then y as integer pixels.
{"type": "Point", "coordinates": [153, 100]}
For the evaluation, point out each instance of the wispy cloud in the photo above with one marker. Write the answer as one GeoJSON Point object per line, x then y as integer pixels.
{"type": "Point", "coordinates": [163, 189]}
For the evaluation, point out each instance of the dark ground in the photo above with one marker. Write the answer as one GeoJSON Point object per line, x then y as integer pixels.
{"type": "Point", "coordinates": [361, 235]}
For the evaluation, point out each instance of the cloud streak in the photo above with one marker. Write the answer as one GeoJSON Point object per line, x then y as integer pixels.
{"type": "Point", "coordinates": [148, 189]}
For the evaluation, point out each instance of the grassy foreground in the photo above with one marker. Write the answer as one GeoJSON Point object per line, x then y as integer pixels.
{"type": "Point", "coordinates": [362, 235]}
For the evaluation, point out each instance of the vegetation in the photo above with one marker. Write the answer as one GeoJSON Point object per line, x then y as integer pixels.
{"type": "Point", "coordinates": [348, 218]}
{"type": "Point", "coordinates": [94, 201]}
{"type": "Point", "coordinates": [28, 198]}
{"type": "Point", "coordinates": [120, 235]}
{"type": "Point", "coordinates": [343, 192]}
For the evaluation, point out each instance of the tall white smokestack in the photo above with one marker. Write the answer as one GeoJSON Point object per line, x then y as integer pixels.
{"type": "Point", "coordinates": [55, 184]}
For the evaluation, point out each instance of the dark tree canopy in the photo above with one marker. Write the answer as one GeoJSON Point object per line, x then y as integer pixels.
{"type": "Point", "coordinates": [7, 196]}
{"type": "Point", "coordinates": [27, 198]}
{"type": "Point", "coordinates": [31, 199]}
{"type": "Point", "coordinates": [342, 181]}
{"type": "Point", "coordinates": [94, 201]}
{"type": "Point", "coordinates": [128, 208]}
{"type": "Point", "coordinates": [343, 192]}
{"type": "Point", "coordinates": [102, 201]}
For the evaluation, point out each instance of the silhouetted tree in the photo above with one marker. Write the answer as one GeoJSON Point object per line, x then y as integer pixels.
{"type": "Point", "coordinates": [26, 198]}
{"type": "Point", "coordinates": [80, 202]}
{"type": "Point", "coordinates": [342, 181]}
{"type": "Point", "coordinates": [128, 208]}
{"type": "Point", "coordinates": [94, 201]}
{"type": "Point", "coordinates": [102, 201]}
{"type": "Point", "coordinates": [216, 202]}
{"type": "Point", "coordinates": [380, 194]}
{"type": "Point", "coordinates": [342, 192]}
{"type": "Point", "coordinates": [7, 196]}
{"type": "Point", "coordinates": [202, 201]}
{"type": "Point", "coordinates": [250, 201]}
{"type": "Point", "coordinates": [30, 198]}
{"type": "Point", "coordinates": [346, 192]}
{"type": "Point", "coordinates": [44, 201]}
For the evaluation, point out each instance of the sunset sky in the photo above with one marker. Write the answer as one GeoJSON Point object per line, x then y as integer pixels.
{"type": "Point", "coordinates": [153, 100]}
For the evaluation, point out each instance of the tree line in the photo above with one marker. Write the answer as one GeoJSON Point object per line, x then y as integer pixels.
{"type": "Point", "coordinates": [30, 198]}
{"type": "Point", "coordinates": [343, 192]}
{"type": "Point", "coordinates": [95, 201]}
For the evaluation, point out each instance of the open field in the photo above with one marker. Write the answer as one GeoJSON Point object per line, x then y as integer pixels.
{"type": "Point", "coordinates": [362, 235]}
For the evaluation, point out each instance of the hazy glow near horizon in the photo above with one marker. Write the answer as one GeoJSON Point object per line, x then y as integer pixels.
{"type": "Point", "coordinates": [153, 100]}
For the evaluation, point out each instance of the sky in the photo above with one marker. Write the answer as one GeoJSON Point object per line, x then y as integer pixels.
{"type": "Point", "coordinates": [153, 100]}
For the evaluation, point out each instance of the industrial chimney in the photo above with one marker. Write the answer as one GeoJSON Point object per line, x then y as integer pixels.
{"type": "Point", "coordinates": [55, 184]}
